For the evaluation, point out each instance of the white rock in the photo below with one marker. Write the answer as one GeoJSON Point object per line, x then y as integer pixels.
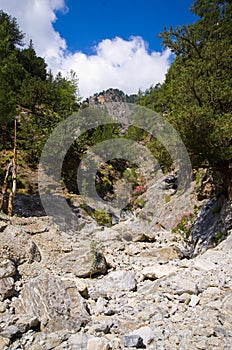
{"type": "Point", "coordinates": [203, 264]}
{"type": "Point", "coordinates": [158, 271]}
{"type": "Point", "coordinates": [98, 344]}
{"type": "Point", "coordinates": [194, 300]}
{"type": "Point", "coordinates": [145, 333]}
{"type": "Point", "coordinates": [120, 280]}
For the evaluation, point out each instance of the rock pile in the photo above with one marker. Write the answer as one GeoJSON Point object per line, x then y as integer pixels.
{"type": "Point", "coordinates": [132, 286]}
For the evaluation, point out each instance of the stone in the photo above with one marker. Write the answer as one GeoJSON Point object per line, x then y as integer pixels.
{"type": "Point", "coordinates": [53, 308]}
{"type": "Point", "coordinates": [164, 254]}
{"type": "Point", "coordinates": [119, 280]}
{"type": "Point", "coordinates": [78, 341]}
{"type": "Point", "coordinates": [56, 303]}
{"type": "Point", "coordinates": [6, 288]}
{"type": "Point", "coordinates": [10, 332]}
{"type": "Point", "coordinates": [7, 268]}
{"type": "Point", "coordinates": [82, 287]}
{"type": "Point", "coordinates": [98, 344]}
{"type": "Point", "coordinates": [203, 264]}
{"type": "Point", "coordinates": [83, 263]}
{"type": "Point", "coordinates": [2, 307]}
{"type": "Point", "coordinates": [145, 333]}
{"type": "Point", "coordinates": [194, 300]}
{"type": "Point", "coordinates": [182, 285]}
{"type": "Point", "coordinates": [25, 323]}
{"type": "Point", "coordinates": [158, 271]}
{"type": "Point", "coordinates": [17, 245]}
{"type": "Point", "coordinates": [4, 343]}
{"type": "Point", "coordinates": [133, 341]}
{"type": "Point", "coordinates": [100, 306]}
{"type": "Point", "coordinates": [107, 235]}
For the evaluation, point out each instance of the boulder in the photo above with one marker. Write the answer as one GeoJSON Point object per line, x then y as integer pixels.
{"type": "Point", "coordinates": [119, 281]}
{"type": "Point", "coordinates": [98, 344]}
{"type": "Point", "coordinates": [145, 333]}
{"type": "Point", "coordinates": [6, 288]}
{"type": "Point", "coordinates": [56, 303]}
{"type": "Point", "coordinates": [17, 245]}
{"type": "Point", "coordinates": [83, 263]}
{"type": "Point", "coordinates": [7, 268]}
{"type": "Point", "coordinates": [4, 343]}
{"type": "Point", "coordinates": [159, 271]}
{"type": "Point", "coordinates": [133, 341]}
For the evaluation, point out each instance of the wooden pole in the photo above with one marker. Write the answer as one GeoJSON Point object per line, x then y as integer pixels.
{"type": "Point", "coordinates": [14, 174]}
{"type": "Point", "coordinates": [3, 202]}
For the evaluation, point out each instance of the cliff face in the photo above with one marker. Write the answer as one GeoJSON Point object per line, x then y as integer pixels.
{"type": "Point", "coordinates": [110, 95]}
{"type": "Point", "coordinates": [133, 285]}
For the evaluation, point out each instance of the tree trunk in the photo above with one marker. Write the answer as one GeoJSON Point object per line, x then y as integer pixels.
{"type": "Point", "coordinates": [3, 203]}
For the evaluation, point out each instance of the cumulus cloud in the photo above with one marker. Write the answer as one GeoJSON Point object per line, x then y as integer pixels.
{"type": "Point", "coordinates": [36, 18]}
{"type": "Point", "coordinates": [117, 63]}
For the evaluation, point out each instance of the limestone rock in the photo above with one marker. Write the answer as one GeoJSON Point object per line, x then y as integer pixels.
{"type": "Point", "coordinates": [26, 322]}
{"type": "Point", "coordinates": [194, 300]}
{"type": "Point", "coordinates": [158, 271]}
{"type": "Point", "coordinates": [10, 332]}
{"type": "Point", "coordinates": [120, 280]}
{"type": "Point", "coordinates": [145, 333]}
{"type": "Point", "coordinates": [56, 303]}
{"type": "Point", "coordinates": [164, 254]}
{"type": "Point", "coordinates": [18, 246]}
{"type": "Point", "coordinates": [7, 268]}
{"type": "Point", "coordinates": [6, 288]}
{"type": "Point", "coordinates": [204, 264]}
{"type": "Point", "coordinates": [83, 263]}
{"type": "Point", "coordinates": [98, 344]}
{"type": "Point", "coordinates": [4, 343]}
{"type": "Point", "coordinates": [182, 285]}
{"type": "Point", "coordinates": [133, 341]}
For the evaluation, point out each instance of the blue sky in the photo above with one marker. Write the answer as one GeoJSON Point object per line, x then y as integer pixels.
{"type": "Point", "coordinates": [107, 43]}
{"type": "Point", "coordinates": [87, 22]}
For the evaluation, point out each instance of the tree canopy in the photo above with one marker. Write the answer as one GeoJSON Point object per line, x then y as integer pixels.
{"type": "Point", "coordinates": [196, 94]}
{"type": "Point", "coordinates": [28, 90]}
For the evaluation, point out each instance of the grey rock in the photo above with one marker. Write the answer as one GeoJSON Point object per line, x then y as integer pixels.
{"type": "Point", "coordinates": [98, 344]}
{"type": "Point", "coordinates": [194, 300]}
{"type": "Point", "coordinates": [120, 280]}
{"type": "Point", "coordinates": [4, 343]}
{"type": "Point", "coordinates": [84, 263]}
{"type": "Point", "coordinates": [78, 341]}
{"type": "Point", "coordinates": [6, 288]}
{"type": "Point", "coordinates": [133, 341]}
{"type": "Point", "coordinates": [158, 271]}
{"type": "Point", "coordinates": [18, 246]}
{"type": "Point", "coordinates": [182, 285]}
{"type": "Point", "coordinates": [10, 332]}
{"type": "Point", "coordinates": [146, 333]}
{"type": "Point", "coordinates": [25, 323]}
{"type": "Point", "coordinates": [7, 268]}
{"type": "Point", "coordinates": [56, 303]}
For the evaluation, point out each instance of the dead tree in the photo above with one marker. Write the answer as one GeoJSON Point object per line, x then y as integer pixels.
{"type": "Point", "coordinates": [4, 199]}
{"type": "Point", "coordinates": [11, 170]}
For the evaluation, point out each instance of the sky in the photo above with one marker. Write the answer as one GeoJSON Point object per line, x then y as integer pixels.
{"type": "Point", "coordinates": [108, 43]}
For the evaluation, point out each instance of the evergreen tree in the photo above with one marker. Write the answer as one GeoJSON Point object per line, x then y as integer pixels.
{"type": "Point", "coordinates": [196, 95]}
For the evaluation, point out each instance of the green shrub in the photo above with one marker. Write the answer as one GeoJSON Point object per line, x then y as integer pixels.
{"type": "Point", "coordinates": [102, 218]}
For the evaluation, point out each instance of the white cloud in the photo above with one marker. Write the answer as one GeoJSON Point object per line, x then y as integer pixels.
{"type": "Point", "coordinates": [117, 63]}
